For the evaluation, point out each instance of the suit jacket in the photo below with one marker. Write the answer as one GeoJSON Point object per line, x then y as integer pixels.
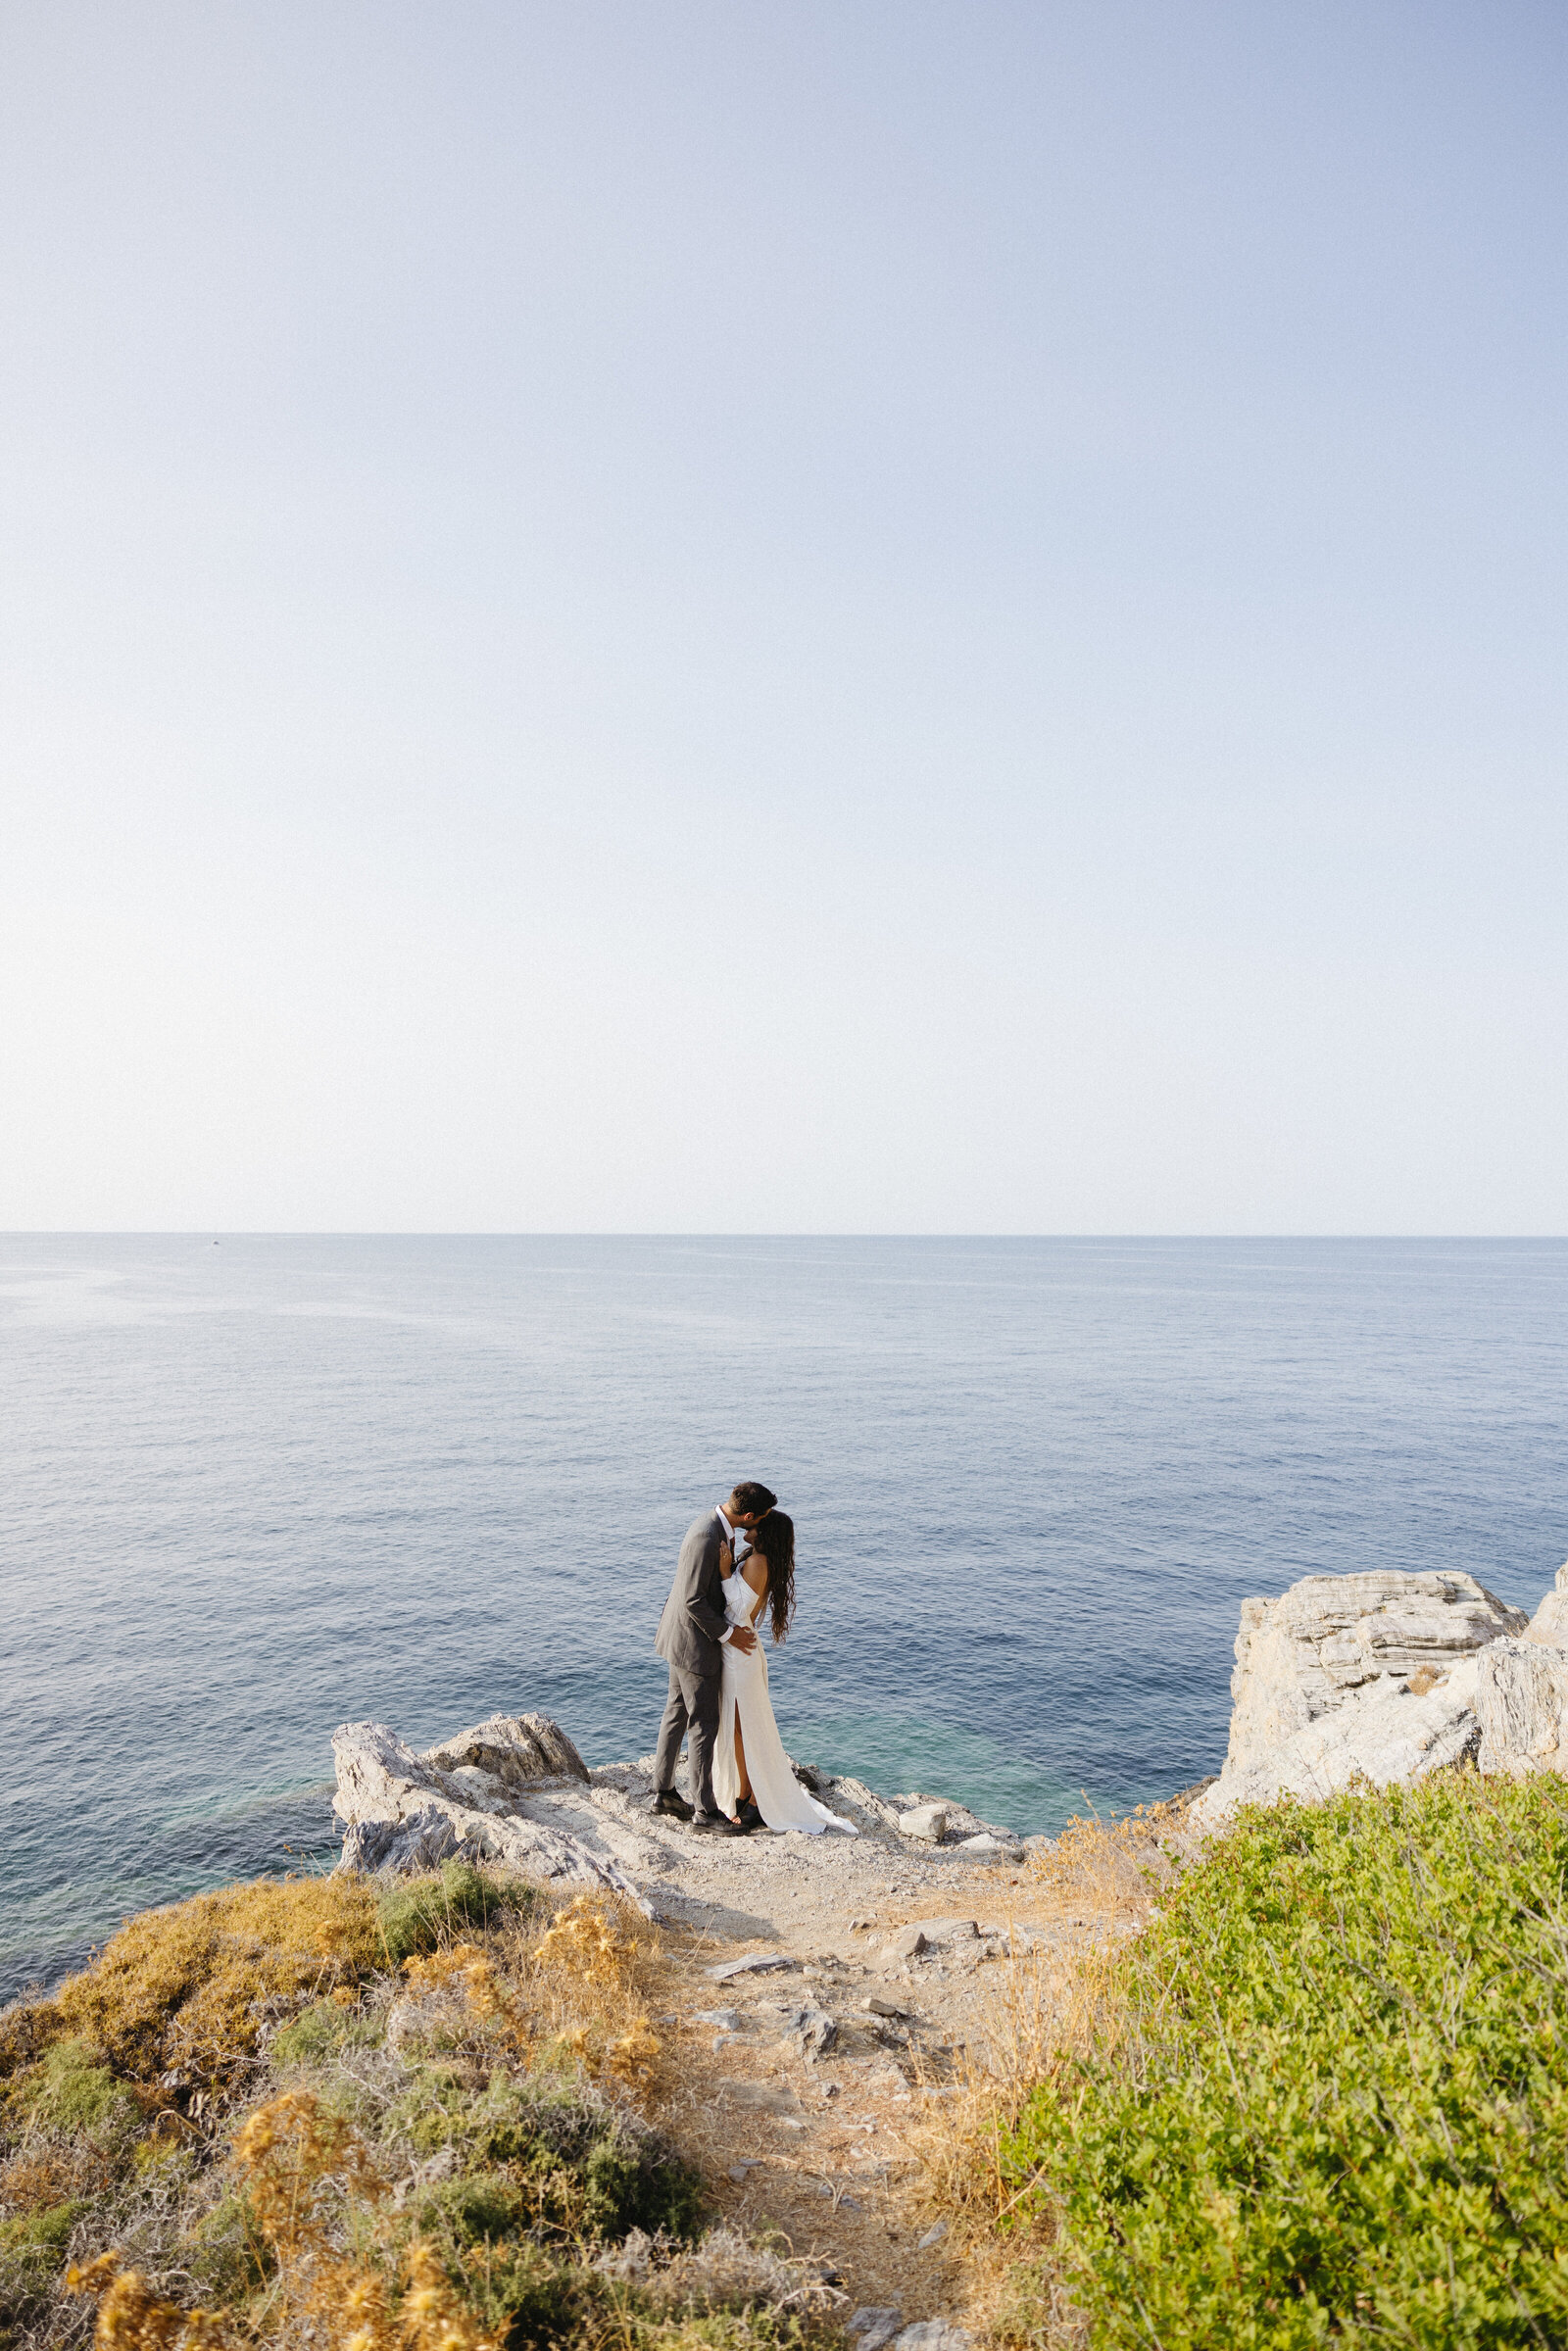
{"type": "Point", "coordinates": [694, 1622]}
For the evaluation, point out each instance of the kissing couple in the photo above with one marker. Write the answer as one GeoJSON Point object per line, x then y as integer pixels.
{"type": "Point", "coordinates": [735, 1560]}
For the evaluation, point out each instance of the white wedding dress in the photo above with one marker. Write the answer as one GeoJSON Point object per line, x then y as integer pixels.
{"type": "Point", "coordinates": [776, 1793]}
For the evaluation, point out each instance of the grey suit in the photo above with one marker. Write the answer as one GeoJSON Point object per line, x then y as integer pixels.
{"type": "Point", "coordinates": [689, 1632]}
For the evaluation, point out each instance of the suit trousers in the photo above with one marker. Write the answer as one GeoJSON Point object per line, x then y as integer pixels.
{"type": "Point", "coordinates": [691, 1709]}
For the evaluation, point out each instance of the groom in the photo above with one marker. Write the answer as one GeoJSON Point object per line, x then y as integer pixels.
{"type": "Point", "coordinates": [692, 1631]}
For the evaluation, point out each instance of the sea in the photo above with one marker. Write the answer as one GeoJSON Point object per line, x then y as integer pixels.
{"type": "Point", "coordinates": [258, 1485]}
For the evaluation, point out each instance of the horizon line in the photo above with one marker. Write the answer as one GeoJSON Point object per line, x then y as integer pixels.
{"type": "Point", "coordinates": [220, 1233]}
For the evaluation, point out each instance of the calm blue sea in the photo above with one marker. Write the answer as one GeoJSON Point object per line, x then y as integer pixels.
{"type": "Point", "coordinates": [253, 1489]}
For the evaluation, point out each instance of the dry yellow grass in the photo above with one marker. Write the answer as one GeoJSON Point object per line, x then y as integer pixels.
{"type": "Point", "coordinates": [133, 2318]}
{"type": "Point", "coordinates": [285, 2154]}
{"type": "Point", "coordinates": [293, 2157]}
{"type": "Point", "coordinates": [1109, 1871]}
{"type": "Point", "coordinates": [299, 2163]}
{"type": "Point", "coordinates": [1047, 2008]}
{"type": "Point", "coordinates": [34, 2181]}
{"type": "Point", "coordinates": [182, 1987]}
{"type": "Point", "coordinates": [178, 1989]}
{"type": "Point", "coordinates": [590, 1981]}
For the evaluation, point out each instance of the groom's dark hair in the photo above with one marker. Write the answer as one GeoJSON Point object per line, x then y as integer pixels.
{"type": "Point", "coordinates": [753, 1500]}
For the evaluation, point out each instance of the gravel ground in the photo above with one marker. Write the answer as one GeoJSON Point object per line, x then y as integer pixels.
{"type": "Point", "coordinates": [806, 2085]}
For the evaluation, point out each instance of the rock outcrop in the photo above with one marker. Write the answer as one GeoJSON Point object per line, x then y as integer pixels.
{"type": "Point", "coordinates": [1521, 1696]}
{"type": "Point", "coordinates": [520, 1751]}
{"type": "Point", "coordinates": [924, 1819]}
{"type": "Point", "coordinates": [513, 1791]}
{"type": "Point", "coordinates": [1548, 1627]}
{"type": "Point", "coordinates": [1383, 1677]}
{"type": "Point", "coordinates": [484, 1794]}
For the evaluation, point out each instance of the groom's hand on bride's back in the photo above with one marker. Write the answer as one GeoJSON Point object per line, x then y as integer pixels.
{"type": "Point", "coordinates": [744, 1639]}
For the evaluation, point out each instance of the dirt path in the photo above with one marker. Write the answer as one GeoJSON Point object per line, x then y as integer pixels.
{"type": "Point", "coordinates": [804, 2084]}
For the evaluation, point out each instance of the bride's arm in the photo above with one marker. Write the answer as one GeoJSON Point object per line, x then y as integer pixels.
{"type": "Point", "coordinates": [755, 1571]}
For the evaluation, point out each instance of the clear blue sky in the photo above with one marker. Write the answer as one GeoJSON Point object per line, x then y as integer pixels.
{"type": "Point", "coordinates": [753, 617]}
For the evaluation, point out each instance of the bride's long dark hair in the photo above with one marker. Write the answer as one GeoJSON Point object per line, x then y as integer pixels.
{"type": "Point", "coordinates": [773, 1539]}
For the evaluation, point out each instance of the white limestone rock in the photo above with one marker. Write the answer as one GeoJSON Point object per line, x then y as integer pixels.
{"type": "Point", "coordinates": [950, 1930]}
{"type": "Point", "coordinates": [852, 1796]}
{"type": "Point", "coordinates": [517, 1749]}
{"type": "Point", "coordinates": [926, 1823]}
{"type": "Point", "coordinates": [1386, 1733]}
{"type": "Point", "coordinates": [1521, 1697]}
{"type": "Point", "coordinates": [421, 1841]}
{"type": "Point", "coordinates": [394, 1802]}
{"type": "Point", "coordinates": [1548, 1627]}
{"type": "Point", "coordinates": [986, 1847]}
{"type": "Point", "coordinates": [1297, 1657]}
{"type": "Point", "coordinates": [881, 1813]}
{"type": "Point", "coordinates": [874, 2326]}
{"type": "Point", "coordinates": [961, 1822]}
{"type": "Point", "coordinates": [1342, 1677]}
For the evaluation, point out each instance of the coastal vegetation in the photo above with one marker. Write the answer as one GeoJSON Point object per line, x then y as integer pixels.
{"type": "Point", "coordinates": [1304, 2084]}
{"type": "Point", "coordinates": [303, 2113]}
{"type": "Point", "coordinates": [1322, 2097]}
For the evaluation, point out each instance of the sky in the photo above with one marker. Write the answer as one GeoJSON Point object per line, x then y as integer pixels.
{"type": "Point", "coordinates": [783, 619]}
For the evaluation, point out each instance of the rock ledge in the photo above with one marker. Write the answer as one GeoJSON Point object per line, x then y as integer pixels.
{"type": "Point", "coordinates": [515, 1791]}
{"type": "Point", "coordinates": [1387, 1677]}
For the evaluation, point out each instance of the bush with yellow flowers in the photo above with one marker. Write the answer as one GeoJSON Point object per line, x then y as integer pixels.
{"type": "Point", "coordinates": [311, 2110]}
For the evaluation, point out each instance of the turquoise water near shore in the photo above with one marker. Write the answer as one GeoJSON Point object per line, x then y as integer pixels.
{"type": "Point", "coordinates": [257, 1487]}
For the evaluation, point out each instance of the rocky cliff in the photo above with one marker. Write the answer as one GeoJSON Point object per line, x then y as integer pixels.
{"type": "Point", "coordinates": [513, 1791]}
{"type": "Point", "coordinates": [1387, 1677]}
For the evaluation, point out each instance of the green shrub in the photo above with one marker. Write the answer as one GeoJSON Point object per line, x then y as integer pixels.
{"type": "Point", "coordinates": [635, 2186]}
{"type": "Point", "coordinates": [47, 2232]}
{"type": "Point", "coordinates": [72, 2090]}
{"type": "Point", "coordinates": [482, 2209]}
{"type": "Point", "coordinates": [32, 2250]}
{"type": "Point", "coordinates": [716, 2331]}
{"type": "Point", "coordinates": [225, 2252]}
{"type": "Point", "coordinates": [502, 2123]}
{"type": "Point", "coordinates": [415, 1917]}
{"type": "Point", "coordinates": [1337, 2104]}
{"type": "Point", "coordinates": [436, 2111]}
{"type": "Point", "coordinates": [320, 2031]}
{"type": "Point", "coordinates": [523, 2297]}
{"type": "Point", "coordinates": [598, 2173]}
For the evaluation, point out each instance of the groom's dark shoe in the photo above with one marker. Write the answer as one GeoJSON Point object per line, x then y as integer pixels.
{"type": "Point", "coordinates": [668, 1802]}
{"type": "Point", "coordinates": [718, 1824]}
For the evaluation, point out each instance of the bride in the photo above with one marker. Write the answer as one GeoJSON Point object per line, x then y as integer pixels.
{"type": "Point", "coordinates": [751, 1776]}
